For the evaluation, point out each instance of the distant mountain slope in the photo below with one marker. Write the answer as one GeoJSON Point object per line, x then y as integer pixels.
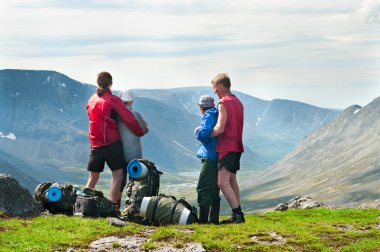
{"type": "Point", "coordinates": [43, 120]}
{"type": "Point", "coordinates": [169, 142]}
{"type": "Point", "coordinates": [18, 169]}
{"type": "Point", "coordinates": [338, 163]}
{"type": "Point", "coordinates": [45, 112]}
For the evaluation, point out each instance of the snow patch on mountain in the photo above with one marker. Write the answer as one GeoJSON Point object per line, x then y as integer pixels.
{"type": "Point", "coordinates": [62, 84]}
{"type": "Point", "coordinates": [258, 121]}
{"type": "Point", "coordinates": [9, 136]}
{"type": "Point", "coordinates": [15, 95]}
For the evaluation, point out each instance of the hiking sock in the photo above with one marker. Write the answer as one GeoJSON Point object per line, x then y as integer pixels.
{"type": "Point", "coordinates": [236, 210]}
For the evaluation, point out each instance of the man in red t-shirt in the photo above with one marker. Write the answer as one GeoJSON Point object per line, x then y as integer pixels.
{"type": "Point", "coordinates": [229, 128]}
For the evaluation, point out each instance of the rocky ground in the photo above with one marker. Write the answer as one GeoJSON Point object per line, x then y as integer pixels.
{"type": "Point", "coordinates": [16, 200]}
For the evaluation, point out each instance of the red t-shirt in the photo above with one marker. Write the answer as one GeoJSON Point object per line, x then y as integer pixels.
{"type": "Point", "coordinates": [231, 140]}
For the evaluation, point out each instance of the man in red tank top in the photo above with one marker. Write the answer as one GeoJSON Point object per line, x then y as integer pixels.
{"type": "Point", "coordinates": [229, 128]}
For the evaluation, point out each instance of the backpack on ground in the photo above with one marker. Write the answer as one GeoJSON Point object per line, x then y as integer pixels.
{"type": "Point", "coordinates": [57, 199]}
{"type": "Point", "coordinates": [138, 188]}
{"type": "Point", "coordinates": [92, 203]}
{"type": "Point", "coordinates": [165, 210]}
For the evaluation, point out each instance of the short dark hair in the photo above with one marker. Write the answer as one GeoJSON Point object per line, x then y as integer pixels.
{"type": "Point", "coordinates": [104, 81]}
{"type": "Point", "coordinates": [223, 79]}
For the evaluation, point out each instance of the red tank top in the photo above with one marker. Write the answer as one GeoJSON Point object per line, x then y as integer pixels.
{"type": "Point", "coordinates": [231, 140]}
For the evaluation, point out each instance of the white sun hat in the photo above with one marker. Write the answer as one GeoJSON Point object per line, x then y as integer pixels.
{"type": "Point", "coordinates": [126, 95]}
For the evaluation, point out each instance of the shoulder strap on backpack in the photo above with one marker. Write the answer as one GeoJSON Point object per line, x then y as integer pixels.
{"type": "Point", "coordinates": [153, 182]}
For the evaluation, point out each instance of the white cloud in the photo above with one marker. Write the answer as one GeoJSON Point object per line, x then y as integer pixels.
{"type": "Point", "coordinates": [272, 49]}
{"type": "Point", "coordinates": [369, 11]}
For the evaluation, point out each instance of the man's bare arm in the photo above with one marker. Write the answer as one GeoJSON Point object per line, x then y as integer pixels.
{"type": "Point", "coordinates": [222, 119]}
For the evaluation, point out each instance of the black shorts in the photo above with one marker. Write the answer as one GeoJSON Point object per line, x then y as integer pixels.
{"type": "Point", "coordinates": [111, 154]}
{"type": "Point", "coordinates": [231, 162]}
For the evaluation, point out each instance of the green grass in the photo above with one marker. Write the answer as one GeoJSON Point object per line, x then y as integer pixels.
{"type": "Point", "coordinates": [303, 230]}
{"type": "Point", "coordinates": [46, 233]}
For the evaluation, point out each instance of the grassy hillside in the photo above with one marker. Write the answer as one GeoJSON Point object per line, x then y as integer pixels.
{"type": "Point", "coordinates": [338, 164]}
{"type": "Point", "coordinates": [298, 230]}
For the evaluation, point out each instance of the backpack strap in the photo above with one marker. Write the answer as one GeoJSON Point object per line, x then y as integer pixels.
{"type": "Point", "coordinates": [150, 184]}
{"type": "Point", "coordinates": [156, 205]}
{"type": "Point", "coordinates": [185, 203]}
{"type": "Point", "coordinates": [172, 210]}
{"type": "Point", "coordinates": [156, 173]}
{"type": "Point", "coordinates": [154, 184]}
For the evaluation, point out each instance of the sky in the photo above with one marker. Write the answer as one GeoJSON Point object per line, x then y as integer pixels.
{"type": "Point", "coordinates": [325, 53]}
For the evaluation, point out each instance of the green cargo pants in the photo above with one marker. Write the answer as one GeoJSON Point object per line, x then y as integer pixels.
{"type": "Point", "coordinates": [208, 190]}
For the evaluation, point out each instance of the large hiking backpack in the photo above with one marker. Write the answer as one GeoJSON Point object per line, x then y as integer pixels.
{"type": "Point", "coordinates": [92, 203]}
{"type": "Point", "coordinates": [138, 188]}
{"type": "Point", "coordinates": [57, 198]}
{"type": "Point", "coordinates": [166, 210]}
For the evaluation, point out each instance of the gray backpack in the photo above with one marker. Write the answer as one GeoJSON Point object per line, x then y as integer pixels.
{"type": "Point", "coordinates": [92, 203]}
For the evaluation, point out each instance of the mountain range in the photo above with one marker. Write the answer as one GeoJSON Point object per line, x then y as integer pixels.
{"type": "Point", "coordinates": [45, 112]}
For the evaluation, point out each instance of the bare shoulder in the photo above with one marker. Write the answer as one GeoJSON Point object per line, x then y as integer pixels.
{"type": "Point", "coordinates": [222, 108]}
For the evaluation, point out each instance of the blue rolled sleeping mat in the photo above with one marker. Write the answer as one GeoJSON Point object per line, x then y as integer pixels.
{"type": "Point", "coordinates": [136, 169]}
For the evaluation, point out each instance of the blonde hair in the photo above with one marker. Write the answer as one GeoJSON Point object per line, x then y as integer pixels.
{"type": "Point", "coordinates": [223, 79]}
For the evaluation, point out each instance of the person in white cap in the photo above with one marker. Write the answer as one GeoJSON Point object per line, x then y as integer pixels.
{"type": "Point", "coordinates": [131, 142]}
{"type": "Point", "coordinates": [207, 188]}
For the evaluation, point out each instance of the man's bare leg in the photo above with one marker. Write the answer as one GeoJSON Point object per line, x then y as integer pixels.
{"type": "Point", "coordinates": [92, 179]}
{"type": "Point", "coordinates": [235, 187]}
{"type": "Point", "coordinates": [224, 184]}
{"type": "Point", "coordinates": [117, 178]}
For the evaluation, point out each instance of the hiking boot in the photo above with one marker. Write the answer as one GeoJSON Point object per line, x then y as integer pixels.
{"type": "Point", "coordinates": [234, 219]}
{"type": "Point", "coordinates": [204, 212]}
{"type": "Point", "coordinates": [242, 215]}
{"type": "Point", "coordinates": [114, 211]}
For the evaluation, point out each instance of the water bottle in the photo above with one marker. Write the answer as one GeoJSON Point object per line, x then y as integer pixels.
{"type": "Point", "coordinates": [77, 190]}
